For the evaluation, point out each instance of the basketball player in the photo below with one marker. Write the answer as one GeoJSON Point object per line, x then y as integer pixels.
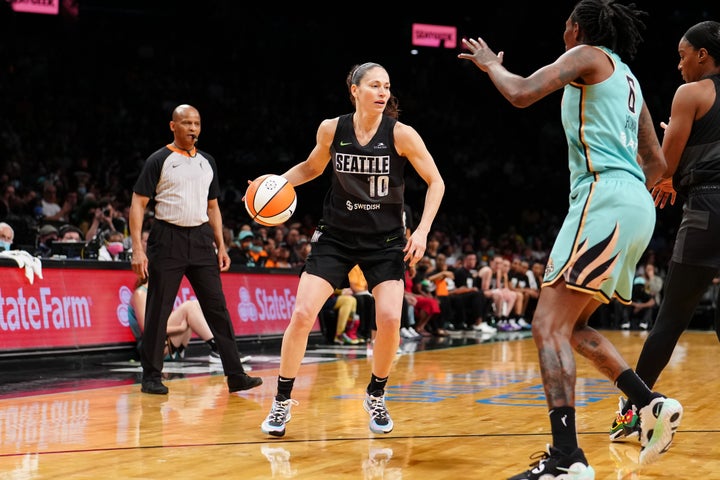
{"type": "Point", "coordinates": [614, 158]}
{"type": "Point", "coordinates": [183, 240]}
{"type": "Point", "coordinates": [362, 224]}
{"type": "Point", "coordinates": [690, 143]}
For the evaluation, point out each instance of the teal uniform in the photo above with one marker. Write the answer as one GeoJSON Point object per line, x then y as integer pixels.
{"type": "Point", "coordinates": [133, 321]}
{"type": "Point", "coordinates": [611, 216]}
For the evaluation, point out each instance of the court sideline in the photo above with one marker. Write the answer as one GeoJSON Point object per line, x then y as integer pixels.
{"type": "Point", "coordinates": [463, 406]}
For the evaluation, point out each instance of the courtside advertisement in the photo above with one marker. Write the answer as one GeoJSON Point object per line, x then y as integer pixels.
{"type": "Point", "coordinates": [75, 307]}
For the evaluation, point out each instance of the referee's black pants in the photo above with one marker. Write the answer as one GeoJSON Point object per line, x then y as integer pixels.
{"type": "Point", "coordinates": [174, 252]}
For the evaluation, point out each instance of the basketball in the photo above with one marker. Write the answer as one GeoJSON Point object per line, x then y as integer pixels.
{"type": "Point", "coordinates": [270, 200]}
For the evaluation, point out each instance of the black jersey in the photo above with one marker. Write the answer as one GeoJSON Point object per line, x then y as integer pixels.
{"type": "Point", "coordinates": [700, 161]}
{"type": "Point", "coordinates": [367, 191]}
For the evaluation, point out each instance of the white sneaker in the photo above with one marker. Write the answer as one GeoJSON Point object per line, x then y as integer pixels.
{"type": "Point", "coordinates": [279, 415]}
{"type": "Point", "coordinates": [405, 333]}
{"type": "Point", "coordinates": [484, 328]}
{"type": "Point", "coordinates": [514, 325]}
{"type": "Point", "coordinates": [523, 324]}
{"type": "Point", "coordinates": [658, 423]}
{"type": "Point", "coordinates": [380, 421]}
{"type": "Point", "coordinates": [413, 332]}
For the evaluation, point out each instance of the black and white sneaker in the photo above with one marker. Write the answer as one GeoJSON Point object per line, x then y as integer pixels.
{"type": "Point", "coordinates": [380, 421]}
{"type": "Point", "coordinates": [279, 415]}
{"type": "Point", "coordinates": [553, 464]}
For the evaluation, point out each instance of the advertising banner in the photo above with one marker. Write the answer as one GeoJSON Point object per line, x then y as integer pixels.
{"type": "Point", "coordinates": [78, 307]}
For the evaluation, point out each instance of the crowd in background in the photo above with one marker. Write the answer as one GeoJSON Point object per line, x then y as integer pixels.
{"type": "Point", "coordinates": [74, 134]}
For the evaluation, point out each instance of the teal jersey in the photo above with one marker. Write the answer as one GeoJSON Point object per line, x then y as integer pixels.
{"type": "Point", "coordinates": [601, 124]}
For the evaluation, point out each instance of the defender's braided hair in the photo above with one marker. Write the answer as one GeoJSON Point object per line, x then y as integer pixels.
{"type": "Point", "coordinates": [610, 24]}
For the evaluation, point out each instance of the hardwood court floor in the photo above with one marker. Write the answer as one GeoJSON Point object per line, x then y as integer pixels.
{"type": "Point", "coordinates": [476, 410]}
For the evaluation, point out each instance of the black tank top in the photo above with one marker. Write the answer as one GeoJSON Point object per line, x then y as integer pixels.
{"type": "Point", "coordinates": [700, 161]}
{"type": "Point", "coordinates": [368, 183]}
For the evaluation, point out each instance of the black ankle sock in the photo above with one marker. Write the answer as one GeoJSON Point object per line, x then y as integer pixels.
{"type": "Point", "coordinates": [562, 425]}
{"type": "Point", "coordinates": [377, 385]}
{"type": "Point", "coordinates": [284, 389]}
{"type": "Point", "coordinates": [634, 388]}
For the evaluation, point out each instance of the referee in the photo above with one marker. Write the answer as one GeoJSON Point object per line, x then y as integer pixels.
{"type": "Point", "coordinates": [185, 239]}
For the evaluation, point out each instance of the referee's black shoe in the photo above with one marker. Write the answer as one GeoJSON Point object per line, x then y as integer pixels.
{"type": "Point", "coordinates": [243, 381]}
{"type": "Point", "coordinates": [154, 386]}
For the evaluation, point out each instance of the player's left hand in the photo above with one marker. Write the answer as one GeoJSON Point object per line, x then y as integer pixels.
{"type": "Point", "coordinates": [662, 192]}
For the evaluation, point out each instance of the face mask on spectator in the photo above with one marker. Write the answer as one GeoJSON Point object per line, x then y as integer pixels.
{"type": "Point", "coordinates": [115, 248]}
{"type": "Point", "coordinates": [4, 245]}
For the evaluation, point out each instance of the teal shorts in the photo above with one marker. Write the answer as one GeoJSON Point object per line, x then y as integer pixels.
{"type": "Point", "coordinates": [605, 233]}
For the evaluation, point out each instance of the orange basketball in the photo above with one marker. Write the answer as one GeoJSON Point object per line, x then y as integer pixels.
{"type": "Point", "coordinates": [270, 200]}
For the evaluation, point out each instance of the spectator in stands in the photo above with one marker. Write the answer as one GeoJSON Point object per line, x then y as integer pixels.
{"type": "Point", "coordinates": [433, 247]}
{"type": "Point", "coordinates": [7, 200]}
{"type": "Point", "coordinates": [423, 285]}
{"type": "Point", "coordinates": [185, 319]}
{"type": "Point", "coordinates": [229, 239]}
{"type": "Point", "coordinates": [345, 305]}
{"type": "Point", "coordinates": [73, 235]}
{"type": "Point", "coordinates": [538, 270]}
{"type": "Point", "coordinates": [84, 214]}
{"type": "Point", "coordinates": [257, 249]}
{"type": "Point", "coordinates": [427, 308]}
{"type": "Point", "coordinates": [51, 209]}
{"type": "Point", "coordinates": [113, 248]}
{"type": "Point", "coordinates": [70, 233]}
{"type": "Point", "coordinates": [279, 233]}
{"type": "Point", "coordinates": [243, 255]}
{"type": "Point", "coordinates": [282, 256]}
{"type": "Point", "coordinates": [642, 307]}
{"type": "Point", "coordinates": [654, 283]}
{"type": "Point", "coordinates": [522, 282]}
{"type": "Point", "coordinates": [443, 280]}
{"type": "Point", "coordinates": [468, 276]}
{"type": "Point", "coordinates": [106, 219]}
{"type": "Point", "coordinates": [496, 286]}
{"type": "Point", "coordinates": [365, 304]}
{"type": "Point", "coordinates": [7, 236]}
{"type": "Point", "coordinates": [46, 235]}
{"type": "Point", "coordinates": [292, 238]}
{"type": "Point", "coordinates": [464, 306]}
{"type": "Point", "coordinates": [25, 200]}
{"type": "Point", "coordinates": [302, 250]}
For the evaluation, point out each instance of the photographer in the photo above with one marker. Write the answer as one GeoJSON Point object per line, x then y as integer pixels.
{"type": "Point", "coordinates": [105, 220]}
